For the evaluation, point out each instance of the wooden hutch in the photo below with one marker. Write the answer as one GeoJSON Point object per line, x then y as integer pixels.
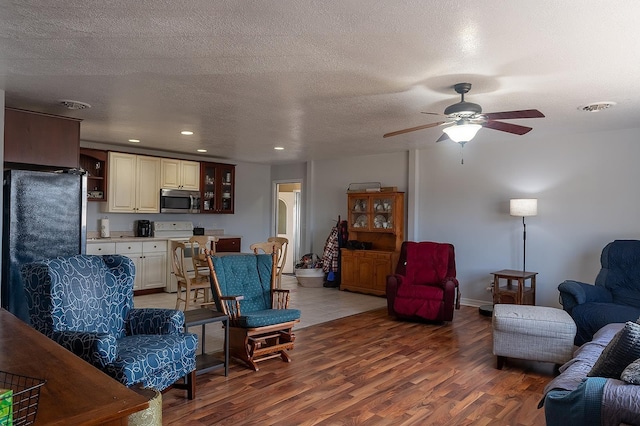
{"type": "Point", "coordinates": [376, 218]}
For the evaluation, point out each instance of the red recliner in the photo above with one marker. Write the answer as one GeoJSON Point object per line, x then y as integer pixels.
{"type": "Point", "coordinates": [424, 286]}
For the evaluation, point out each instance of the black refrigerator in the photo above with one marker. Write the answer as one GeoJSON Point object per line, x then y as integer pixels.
{"type": "Point", "coordinates": [44, 216]}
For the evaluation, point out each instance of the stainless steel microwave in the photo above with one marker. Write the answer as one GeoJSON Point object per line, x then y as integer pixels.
{"type": "Point", "coordinates": [179, 201]}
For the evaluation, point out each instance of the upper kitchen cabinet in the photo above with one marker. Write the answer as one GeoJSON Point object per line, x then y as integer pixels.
{"type": "Point", "coordinates": [41, 139]}
{"type": "Point", "coordinates": [180, 174]}
{"type": "Point", "coordinates": [217, 187]}
{"type": "Point", "coordinates": [134, 183]}
{"type": "Point", "coordinates": [94, 161]}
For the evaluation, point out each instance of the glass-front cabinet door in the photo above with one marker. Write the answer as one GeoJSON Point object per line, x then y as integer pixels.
{"type": "Point", "coordinates": [372, 212]}
{"type": "Point", "coordinates": [227, 180]}
{"type": "Point", "coordinates": [382, 213]}
{"type": "Point", "coordinates": [359, 212]}
{"type": "Point", "coordinates": [217, 188]}
{"type": "Point", "coordinates": [208, 188]}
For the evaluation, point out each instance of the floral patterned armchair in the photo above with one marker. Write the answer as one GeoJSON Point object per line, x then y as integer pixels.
{"type": "Point", "coordinates": [85, 304]}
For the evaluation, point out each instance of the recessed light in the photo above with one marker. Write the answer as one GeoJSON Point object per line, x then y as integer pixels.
{"type": "Point", "coordinates": [134, 140]}
{"type": "Point", "coordinates": [201, 150]}
{"type": "Point", "coordinates": [186, 132]}
{"type": "Point", "coordinates": [278, 148]}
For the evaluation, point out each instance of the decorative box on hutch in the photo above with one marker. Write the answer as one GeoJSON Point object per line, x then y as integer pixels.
{"type": "Point", "coordinates": [375, 217]}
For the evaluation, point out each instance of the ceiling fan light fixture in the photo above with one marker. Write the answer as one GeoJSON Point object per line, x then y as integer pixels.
{"type": "Point", "coordinates": [463, 109]}
{"type": "Point", "coordinates": [462, 132]}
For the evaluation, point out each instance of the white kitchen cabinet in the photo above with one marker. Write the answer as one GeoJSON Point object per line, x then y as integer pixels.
{"type": "Point", "coordinates": [150, 260]}
{"type": "Point", "coordinates": [134, 183]}
{"type": "Point", "coordinates": [101, 248]}
{"type": "Point", "coordinates": [133, 250]}
{"type": "Point", "coordinates": [154, 264]}
{"type": "Point", "coordinates": [180, 174]}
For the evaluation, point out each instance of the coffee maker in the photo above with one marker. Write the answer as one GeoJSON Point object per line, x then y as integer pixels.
{"type": "Point", "coordinates": [143, 228]}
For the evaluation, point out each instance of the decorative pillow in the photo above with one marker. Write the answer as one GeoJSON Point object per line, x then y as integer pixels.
{"type": "Point", "coordinates": [631, 374]}
{"type": "Point", "coordinates": [621, 351]}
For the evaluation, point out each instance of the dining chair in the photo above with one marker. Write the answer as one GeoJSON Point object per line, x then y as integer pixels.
{"type": "Point", "coordinates": [282, 256]}
{"type": "Point", "coordinates": [199, 245]}
{"type": "Point", "coordinates": [191, 289]}
{"type": "Point", "coordinates": [265, 247]}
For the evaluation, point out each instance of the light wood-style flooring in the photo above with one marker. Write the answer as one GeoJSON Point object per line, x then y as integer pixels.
{"type": "Point", "coordinates": [368, 369]}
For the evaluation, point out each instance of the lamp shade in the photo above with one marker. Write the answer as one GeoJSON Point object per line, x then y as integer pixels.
{"type": "Point", "coordinates": [523, 207]}
{"type": "Point", "coordinates": [462, 132]}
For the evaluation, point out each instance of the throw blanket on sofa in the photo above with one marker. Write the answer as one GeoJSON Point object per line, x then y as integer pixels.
{"type": "Point", "coordinates": [572, 398]}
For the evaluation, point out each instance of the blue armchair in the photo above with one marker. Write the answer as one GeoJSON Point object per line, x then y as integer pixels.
{"type": "Point", "coordinates": [615, 297]}
{"type": "Point", "coordinates": [85, 304]}
{"type": "Point", "coordinates": [261, 324]}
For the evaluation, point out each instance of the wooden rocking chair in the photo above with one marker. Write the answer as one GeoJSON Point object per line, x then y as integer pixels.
{"type": "Point", "coordinates": [261, 324]}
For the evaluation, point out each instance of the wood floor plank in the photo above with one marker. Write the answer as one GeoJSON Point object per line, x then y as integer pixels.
{"type": "Point", "coordinates": [369, 369]}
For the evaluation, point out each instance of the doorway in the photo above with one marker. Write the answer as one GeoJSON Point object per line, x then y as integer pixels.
{"type": "Point", "coordinates": [287, 204]}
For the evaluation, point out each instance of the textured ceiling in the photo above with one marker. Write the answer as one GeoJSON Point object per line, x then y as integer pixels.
{"type": "Point", "coordinates": [319, 78]}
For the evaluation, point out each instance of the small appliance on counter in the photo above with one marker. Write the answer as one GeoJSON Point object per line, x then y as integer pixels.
{"type": "Point", "coordinates": [143, 228]}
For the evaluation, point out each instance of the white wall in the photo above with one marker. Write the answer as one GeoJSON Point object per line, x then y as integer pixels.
{"type": "Point", "coordinates": [328, 183]}
{"type": "Point", "coordinates": [587, 196]}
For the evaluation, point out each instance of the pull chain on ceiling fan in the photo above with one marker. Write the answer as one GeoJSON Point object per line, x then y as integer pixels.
{"type": "Point", "coordinates": [467, 119]}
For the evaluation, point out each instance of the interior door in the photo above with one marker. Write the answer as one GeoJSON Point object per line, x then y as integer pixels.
{"type": "Point", "coordinates": [287, 220]}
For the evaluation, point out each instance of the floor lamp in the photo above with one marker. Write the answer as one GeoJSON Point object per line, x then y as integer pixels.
{"type": "Point", "coordinates": [523, 207]}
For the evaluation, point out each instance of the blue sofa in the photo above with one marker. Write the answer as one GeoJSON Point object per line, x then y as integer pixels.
{"type": "Point", "coordinates": [615, 297]}
{"type": "Point", "coordinates": [85, 304]}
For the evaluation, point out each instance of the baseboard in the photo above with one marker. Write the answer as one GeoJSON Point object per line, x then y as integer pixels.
{"type": "Point", "coordinates": [474, 302]}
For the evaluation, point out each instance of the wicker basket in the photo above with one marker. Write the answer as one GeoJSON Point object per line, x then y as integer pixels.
{"type": "Point", "coordinates": [26, 393]}
{"type": "Point", "coordinates": [310, 277]}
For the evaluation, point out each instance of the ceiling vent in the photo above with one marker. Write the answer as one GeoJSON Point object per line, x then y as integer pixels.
{"type": "Point", "coordinates": [74, 104]}
{"type": "Point", "coordinates": [596, 106]}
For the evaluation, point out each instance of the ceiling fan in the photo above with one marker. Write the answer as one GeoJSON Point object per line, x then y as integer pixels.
{"type": "Point", "coordinates": [467, 118]}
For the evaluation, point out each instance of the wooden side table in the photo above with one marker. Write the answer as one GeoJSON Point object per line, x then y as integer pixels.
{"type": "Point", "coordinates": [519, 293]}
{"type": "Point", "coordinates": [206, 362]}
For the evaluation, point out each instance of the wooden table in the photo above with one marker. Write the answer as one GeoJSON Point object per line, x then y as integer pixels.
{"type": "Point", "coordinates": [75, 392]}
{"type": "Point", "coordinates": [519, 294]}
{"type": "Point", "coordinates": [206, 362]}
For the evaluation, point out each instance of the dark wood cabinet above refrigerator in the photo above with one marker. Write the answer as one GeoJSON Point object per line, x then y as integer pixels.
{"type": "Point", "coordinates": [40, 139]}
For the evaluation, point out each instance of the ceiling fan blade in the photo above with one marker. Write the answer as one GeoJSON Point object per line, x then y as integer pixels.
{"type": "Point", "coordinates": [412, 129]}
{"type": "Point", "coordinates": [430, 113]}
{"type": "Point", "coordinates": [506, 115]}
{"type": "Point", "coordinates": [507, 127]}
{"type": "Point", "coordinates": [444, 137]}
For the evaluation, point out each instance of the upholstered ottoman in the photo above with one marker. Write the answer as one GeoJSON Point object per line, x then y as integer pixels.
{"type": "Point", "coordinates": [535, 333]}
